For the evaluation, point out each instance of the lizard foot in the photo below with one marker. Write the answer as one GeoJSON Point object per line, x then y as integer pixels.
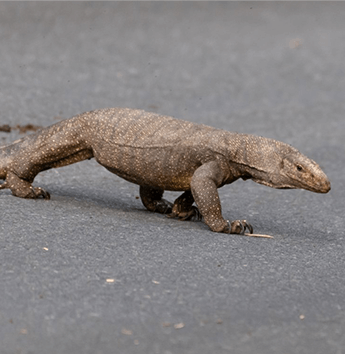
{"type": "Point", "coordinates": [31, 192]}
{"type": "Point", "coordinates": [153, 201]}
{"type": "Point", "coordinates": [239, 227]}
{"type": "Point", "coordinates": [22, 188]}
{"type": "Point", "coordinates": [192, 214]}
{"type": "Point", "coordinates": [183, 208]}
{"type": "Point", "coordinates": [162, 206]}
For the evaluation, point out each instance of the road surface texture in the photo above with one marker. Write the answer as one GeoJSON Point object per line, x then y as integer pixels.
{"type": "Point", "coordinates": [91, 271]}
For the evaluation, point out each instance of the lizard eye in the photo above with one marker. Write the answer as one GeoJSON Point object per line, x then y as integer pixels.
{"type": "Point", "coordinates": [299, 168]}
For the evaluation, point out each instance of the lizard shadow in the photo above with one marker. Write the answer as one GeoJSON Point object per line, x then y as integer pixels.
{"type": "Point", "coordinates": [101, 198]}
{"type": "Point", "coordinates": [117, 201]}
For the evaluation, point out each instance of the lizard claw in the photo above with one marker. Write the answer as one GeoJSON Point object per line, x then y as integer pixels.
{"type": "Point", "coordinates": [45, 194]}
{"type": "Point", "coordinates": [247, 226]}
{"type": "Point", "coordinates": [39, 192]}
{"type": "Point", "coordinates": [239, 227]}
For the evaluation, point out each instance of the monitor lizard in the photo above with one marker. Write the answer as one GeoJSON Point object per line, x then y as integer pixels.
{"type": "Point", "coordinates": [161, 153]}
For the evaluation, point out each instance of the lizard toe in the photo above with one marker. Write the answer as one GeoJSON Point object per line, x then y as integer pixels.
{"type": "Point", "coordinates": [4, 185]}
{"type": "Point", "coordinates": [247, 226]}
{"type": "Point", "coordinates": [171, 215]}
{"type": "Point", "coordinates": [46, 195]}
{"type": "Point", "coordinates": [196, 214]}
{"type": "Point", "coordinates": [39, 192]}
{"type": "Point", "coordinates": [192, 214]}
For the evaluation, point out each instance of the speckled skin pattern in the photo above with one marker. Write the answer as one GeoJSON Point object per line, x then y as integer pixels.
{"type": "Point", "coordinates": [161, 153]}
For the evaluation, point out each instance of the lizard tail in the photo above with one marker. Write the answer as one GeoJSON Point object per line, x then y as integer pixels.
{"type": "Point", "coordinates": [4, 161]}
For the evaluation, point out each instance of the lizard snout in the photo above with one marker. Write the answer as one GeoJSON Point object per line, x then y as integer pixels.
{"type": "Point", "coordinates": [325, 186]}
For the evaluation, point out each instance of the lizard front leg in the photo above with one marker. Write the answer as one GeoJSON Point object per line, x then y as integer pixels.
{"type": "Point", "coordinates": [204, 185]}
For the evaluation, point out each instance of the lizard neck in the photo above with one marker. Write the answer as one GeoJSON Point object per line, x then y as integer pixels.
{"type": "Point", "coordinates": [257, 158]}
{"type": "Point", "coordinates": [255, 153]}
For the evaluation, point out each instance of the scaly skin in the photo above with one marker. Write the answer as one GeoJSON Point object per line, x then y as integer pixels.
{"type": "Point", "coordinates": [161, 153]}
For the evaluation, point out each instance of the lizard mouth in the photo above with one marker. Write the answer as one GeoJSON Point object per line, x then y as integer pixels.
{"type": "Point", "coordinates": [321, 187]}
{"type": "Point", "coordinates": [280, 186]}
{"type": "Point", "coordinates": [268, 184]}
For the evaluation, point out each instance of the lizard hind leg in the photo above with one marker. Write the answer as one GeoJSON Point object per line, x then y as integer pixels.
{"type": "Point", "coordinates": [183, 208]}
{"type": "Point", "coordinates": [22, 188]}
{"type": "Point", "coordinates": [153, 201]}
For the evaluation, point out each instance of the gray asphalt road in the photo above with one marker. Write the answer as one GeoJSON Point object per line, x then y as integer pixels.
{"type": "Point", "coordinates": [272, 69]}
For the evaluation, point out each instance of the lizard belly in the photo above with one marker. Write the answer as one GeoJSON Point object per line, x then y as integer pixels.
{"type": "Point", "coordinates": [171, 182]}
{"type": "Point", "coordinates": [159, 168]}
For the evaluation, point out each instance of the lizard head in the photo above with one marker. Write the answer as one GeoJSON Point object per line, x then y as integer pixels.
{"type": "Point", "coordinates": [299, 171]}
{"type": "Point", "coordinates": [296, 171]}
